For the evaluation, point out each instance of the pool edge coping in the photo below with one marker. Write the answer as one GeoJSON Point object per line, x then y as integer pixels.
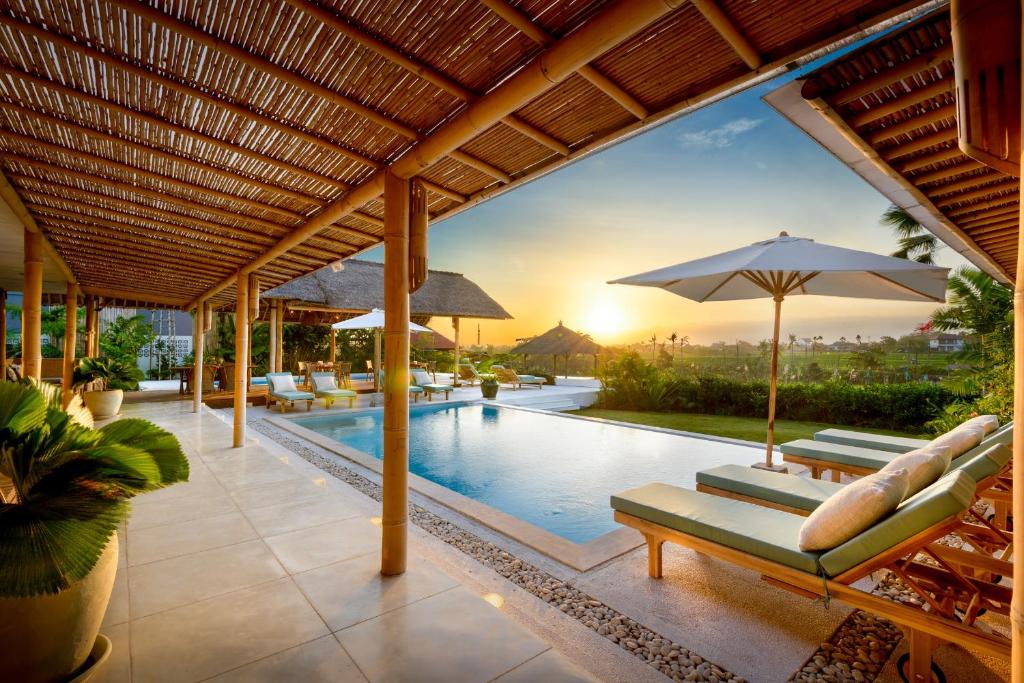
{"type": "Point", "coordinates": [581, 557]}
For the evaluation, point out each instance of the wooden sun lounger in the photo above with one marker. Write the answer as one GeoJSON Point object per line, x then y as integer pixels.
{"type": "Point", "coordinates": [720, 528]}
{"type": "Point", "coordinates": [878, 442]}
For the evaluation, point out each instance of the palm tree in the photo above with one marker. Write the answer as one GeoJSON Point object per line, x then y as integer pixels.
{"type": "Point", "coordinates": [915, 242]}
{"type": "Point", "coordinates": [978, 305]}
{"type": "Point", "coordinates": [858, 340]}
{"type": "Point", "coordinates": [672, 338]}
{"type": "Point", "coordinates": [792, 343]}
{"type": "Point", "coordinates": [654, 347]}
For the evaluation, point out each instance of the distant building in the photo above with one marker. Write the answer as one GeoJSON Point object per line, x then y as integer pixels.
{"type": "Point", "coordinates": [944, 341]}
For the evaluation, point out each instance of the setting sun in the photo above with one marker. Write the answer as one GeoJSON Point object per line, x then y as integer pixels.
{"type": "Point", "coordinates": [604, 318]}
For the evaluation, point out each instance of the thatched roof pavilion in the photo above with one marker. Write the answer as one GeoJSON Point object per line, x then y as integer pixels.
{"type": "Point", "coordinates": [560, 341]}
{"type": "Point", "coordinates": [329, 295]}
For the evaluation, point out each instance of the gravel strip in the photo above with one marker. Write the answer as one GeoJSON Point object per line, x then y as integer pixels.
{"type": "Point", "coordinates": [671, 659]}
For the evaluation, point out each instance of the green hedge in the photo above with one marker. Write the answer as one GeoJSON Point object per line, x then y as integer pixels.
{"type": "Point", "coordinates": [634, 385]}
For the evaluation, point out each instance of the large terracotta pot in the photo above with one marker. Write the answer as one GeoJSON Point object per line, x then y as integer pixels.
{"type": "Point", "coordinates": [104, 404]}
{"type": "Point", "coordinates": [48, 638]}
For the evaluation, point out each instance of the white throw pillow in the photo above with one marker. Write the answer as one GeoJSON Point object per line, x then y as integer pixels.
{"type": "Point", "coordinates": [283, 383]}
{"type": "Point", "coordinates": [323, 382]}
{"type": "Point", "coordinates": [959, 440]}
{"type": "Point", "coordinates": [988, 423]}
{"type": "Point", "coordinates": [924, 466]}
{"type": "Point", "coordinates": [421, 377]}
{"type": "Point", "coordinates": [853, 509]}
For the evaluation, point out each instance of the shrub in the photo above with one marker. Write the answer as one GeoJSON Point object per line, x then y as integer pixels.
{"type": "Point", "coordinates": [633, 384]}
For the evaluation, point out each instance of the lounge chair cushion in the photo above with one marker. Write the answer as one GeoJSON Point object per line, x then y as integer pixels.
{"type": "Point", "coordinates": [415, 390]}
{"type": "Point", "coordinates": [985, 465]}
{"type": "Point", "coordinates": [324, 384]}
{"type": "Point", "coordinates": [947, 497]}
{"type": "Point", "coordinates": [853, 509]}
{"type": "Point", "coordinates": [294, 395]}
{"type": "Point", "coordinates": [960, 440]}
{"type": "Point", "coordinates": [925, 466]}
{"type": "Point", "coordinates": [767, 533]}
{"type": "Point", "coordinates": [420, 377]}
{"type": "Point", "coordinates": [838, 453]}
{"type": "Point", "coordinates": [437, 387]}
{"type": "Point", "coordinates": [790, 490]}
{"type": "Point", "coordinates": [282, 383]}
{"type": "Point", "coordinates": [988, 423]}
{"type": "Point", "coordinates": [879, 442]}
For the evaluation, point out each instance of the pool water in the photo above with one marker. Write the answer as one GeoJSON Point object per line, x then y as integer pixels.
{"type": "Point", "coordinates": [553, 471]}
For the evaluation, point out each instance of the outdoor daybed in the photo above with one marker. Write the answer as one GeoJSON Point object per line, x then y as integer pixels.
{"type": "Point", "coordinates": [281, 389]}
{"type": "Point", "coordinates": [509, 376]}
{"type": "Point", "coordinates": [421, 380]}
{"type": "Point", "coordinates": [325, 387]}
{"type": "Point", "coordinates": [766, 541]}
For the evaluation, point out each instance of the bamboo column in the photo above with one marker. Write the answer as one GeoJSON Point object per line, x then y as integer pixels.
{"type": "Point", "coordinates": [1017, 601]}
{"type": "Point", "coordinates": [254, 313]}
{"type": "Point", "coordinates": [198, 328]}
{"type": "Point", "coordinates": [279, 351]}
{"type": "Point", "coordinates": [70, 340]}
{"type": "Point", "coordinates": [455, 371]}
{"type": "Point", "coordinates": [396, 375]}
{"type": "Point", "coordinates": [3, 335]}
{"type": "Point", "coordinates": [334, 344]}
{"type": "Point", "coordinates": [272, 338]}
{"type": "Point", "coordinates": [32, 307]}
{"type": "Point", "coordinates": [241, 357]}
{"type": "Point", "coordinates": [90, 324]}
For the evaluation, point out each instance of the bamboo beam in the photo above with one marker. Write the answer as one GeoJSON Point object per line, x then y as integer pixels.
{"type": "Point", "coordinates": [928, 159]}
{"type": "Point", "coordinates": [964, 184]}
{"type": "Point", "coordinates": [728, 30]}
{"type": "Point", "coordinates": [1007, 186]}
{"type": "Point", "coordinates": [197, 358]}
{"type": "Point", "coordinates": [70, 342]}
{"type": "Point", "coordinates": [241, 359]}
{"type": "Point", "coordinates": [983, 208]}
{"type": "Point", "coordinates": [130, 295]}
{"type": "Point", "coordinates": [32, 306]}
{"type": "Point", "coordinates": [429, 74]}
{"type": "Point", "coordinates": [121, 64]}
{"type": "Point", "coordinates": [10, 196]}
{"type": "Point", "coordinates": [990, 216]}
{"type": "Point", "coordinates": [616, 23]}
{"type": "Point", "coordinates": [531, 30]}
{"type": "Point", "coordinates": [915, 122]}
{"type": "Point", "coordinates": [905, 101]}
{"type": "Point", "coordinates": [992, 226]}
{"type": "Point", "coordinates": [395, 477]}
{"type": "Point", "coordinates": [890, 76]}
{"type": "Point", "coordinates": [443, 191]}
{"type": "Point", "coordinates": [938, 137]}
{"type": "Point", "coordinates": [154, 120]}
{"type": "Point", "coordinates": [947, 172]}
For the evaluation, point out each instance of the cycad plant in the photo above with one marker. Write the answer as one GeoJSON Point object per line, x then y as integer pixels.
{"type": "Point", "coordinates": [65, 486]}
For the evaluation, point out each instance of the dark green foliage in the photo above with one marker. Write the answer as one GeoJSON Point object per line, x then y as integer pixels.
{"type": "Point", "coordinates": [634, 384]}
{"type": "Point", "coordinates": [113, 373]}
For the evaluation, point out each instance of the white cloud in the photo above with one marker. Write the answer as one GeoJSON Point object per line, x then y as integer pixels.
{"type": "Point", "coordinates": [722, 136]}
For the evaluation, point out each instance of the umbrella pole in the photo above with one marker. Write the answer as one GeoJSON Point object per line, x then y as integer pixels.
{"type": "Point", "coordinates": [772, 385]}
{"type": "Point", "coordinates": [376, 360]}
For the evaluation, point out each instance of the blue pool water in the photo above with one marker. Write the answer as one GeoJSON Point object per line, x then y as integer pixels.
{"type": "Point", "coordinates": [553, 471]}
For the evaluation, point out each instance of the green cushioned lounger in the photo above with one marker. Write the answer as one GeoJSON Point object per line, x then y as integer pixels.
{"type": "Point", "coordinates": [879, 442]}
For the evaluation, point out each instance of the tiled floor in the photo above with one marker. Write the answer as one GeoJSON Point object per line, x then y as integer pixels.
{"type": "Point", "coordinates": [261, 568]}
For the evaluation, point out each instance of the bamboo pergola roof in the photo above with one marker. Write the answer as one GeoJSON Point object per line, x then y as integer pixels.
{"type": "Point", "coordinates": [889, 111]}
{"type": "Point", "coordinates": [559, 341]}
{"type": "Point", "coordinates": [164, 147]}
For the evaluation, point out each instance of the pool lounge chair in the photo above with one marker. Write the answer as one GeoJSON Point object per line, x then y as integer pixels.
{"type": "Point", "coordinates": [420, 379]}
{"type": "Point", "coordinates": [467, 373]}
{"type": "Point", "coordinates": [766, 541]}
{"type": "Point", "coordinates": [509, 376]}
{"type": "Point", "coordinates": [878, 442]}
{"type": "Point", "coordinates": [819, 456]}
{"type": "Point", "coordinates": [281, 390]}
{"type": "Point", "coordinates": [324, 387]}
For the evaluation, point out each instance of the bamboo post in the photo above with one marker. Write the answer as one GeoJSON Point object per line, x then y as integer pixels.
{"type": "Point", "coordinates": [334, 344]}
{"type": "Point", "coordinates": [455, 370]}
{"type": "Point", "coordinates": [241, 357]}
{"type": "Point", "coordinates": [395, 497]}
{"type": "Point", "coordinates": [3, 335]}
{"type": "Point", "coordinates": [272, 338]}
{"type": "Point", "coordinates": [198, 328]}
{"type": "Point", "coordinates": [32, 307]}
{"type": "Point", "coordinates": [1017, 601]}
{"type": "Point", "coordinates": [280, 337]}
{"type": "Point", "coordinates": [70, 340]}
{"type": "Point", "coordinates": [90, 323]}
{"type": "Point", "coordinates": [376, 361]}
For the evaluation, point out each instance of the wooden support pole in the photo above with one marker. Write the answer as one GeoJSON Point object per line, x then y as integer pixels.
{"type": "Point", "coordinates": [732, 35]}
{"type": "Point", "coordinates": [90, 323]}
{"type": "Point", "coordinates": [70, 341]}
{"type": "Point", "coordinates": [241, 357]}
{"type": "Point", "coordinates": [455, 370]}
{"type": "Point", "coordinates": [279, 350]}
{"type": "Point", "coordinates": [32, 307]}
{"type": "Point", "coordinates": [198, 328]}
{"type": "Point", "coordinates": [395, 499]}
{"type": "Point", "coordinates": [272, 338]}
{"type": "Point", "coordinates": [1017, 507]}
{"type": "Point", "coordinates": [334, 344]}
{"type": "Point", "coordinates": [3, 335]}
{"type": "Point", "coordinates": [772, 387]}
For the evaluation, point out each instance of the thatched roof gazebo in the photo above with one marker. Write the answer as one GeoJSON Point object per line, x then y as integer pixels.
{"type": "Point", "coordinates": [560, 341]}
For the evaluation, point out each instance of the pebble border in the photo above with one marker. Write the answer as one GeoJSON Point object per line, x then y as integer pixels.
{"type": "Point", "coordinates": [671, 659]}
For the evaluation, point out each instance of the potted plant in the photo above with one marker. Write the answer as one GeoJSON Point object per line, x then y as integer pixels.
{"type": "Point", "coordinates": [489, 386]}
{"type": "Point", "coordinates": [103, 381]}
{"type": "Point", "coordinates": [64, 488]}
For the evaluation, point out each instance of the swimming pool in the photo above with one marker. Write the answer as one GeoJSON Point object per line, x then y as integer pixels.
{"type": "Point", "coordinates": [550, 470]}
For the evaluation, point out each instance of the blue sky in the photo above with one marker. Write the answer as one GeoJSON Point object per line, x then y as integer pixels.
{"type": "Point", "coordinates": [719, 178]}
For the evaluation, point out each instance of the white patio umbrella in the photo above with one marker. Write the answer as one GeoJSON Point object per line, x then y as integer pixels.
{"type": "Point", "coordinates": [374, 320]}
{"type": "Point", "coordinates": [786, 266]}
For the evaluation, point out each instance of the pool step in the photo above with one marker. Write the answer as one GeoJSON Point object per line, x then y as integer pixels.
{"type": "Point", "coordinates": [559, 404]}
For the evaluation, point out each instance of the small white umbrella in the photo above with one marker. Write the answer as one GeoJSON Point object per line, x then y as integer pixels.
{"type": "Point", "coordinates": [374, 320]}
{"type": "Point", "coordinates": [785, 266]}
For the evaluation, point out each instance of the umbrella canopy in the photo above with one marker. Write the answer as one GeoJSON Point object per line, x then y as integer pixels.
{"type": "Point", "coordinates": [787, 265]}
{"type": "Point", "coordinates": [808, 267]}
{"type": "Point", "coordinates": [374, 320]}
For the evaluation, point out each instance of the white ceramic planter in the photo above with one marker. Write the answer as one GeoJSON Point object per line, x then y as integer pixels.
{"type": "Point", "coordinates": [104, 404]}
{"type": "Point", "coordinates": [49, 638]}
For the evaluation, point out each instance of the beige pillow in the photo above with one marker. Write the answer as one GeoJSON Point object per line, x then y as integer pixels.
{"type": "Point", "coordinates": [283, 383]}
{"type": "Point", "coordinates": [988, 423]}
{"type": "Point", "coordinates": [959, 440]}
{"type": "Point", "coordinates": [924, 466]}
{"type": "Point", "coordinates": [853, 509]}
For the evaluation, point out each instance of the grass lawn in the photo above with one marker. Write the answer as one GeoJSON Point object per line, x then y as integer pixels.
{"type": "Point", "coordinates": [748, 428]}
